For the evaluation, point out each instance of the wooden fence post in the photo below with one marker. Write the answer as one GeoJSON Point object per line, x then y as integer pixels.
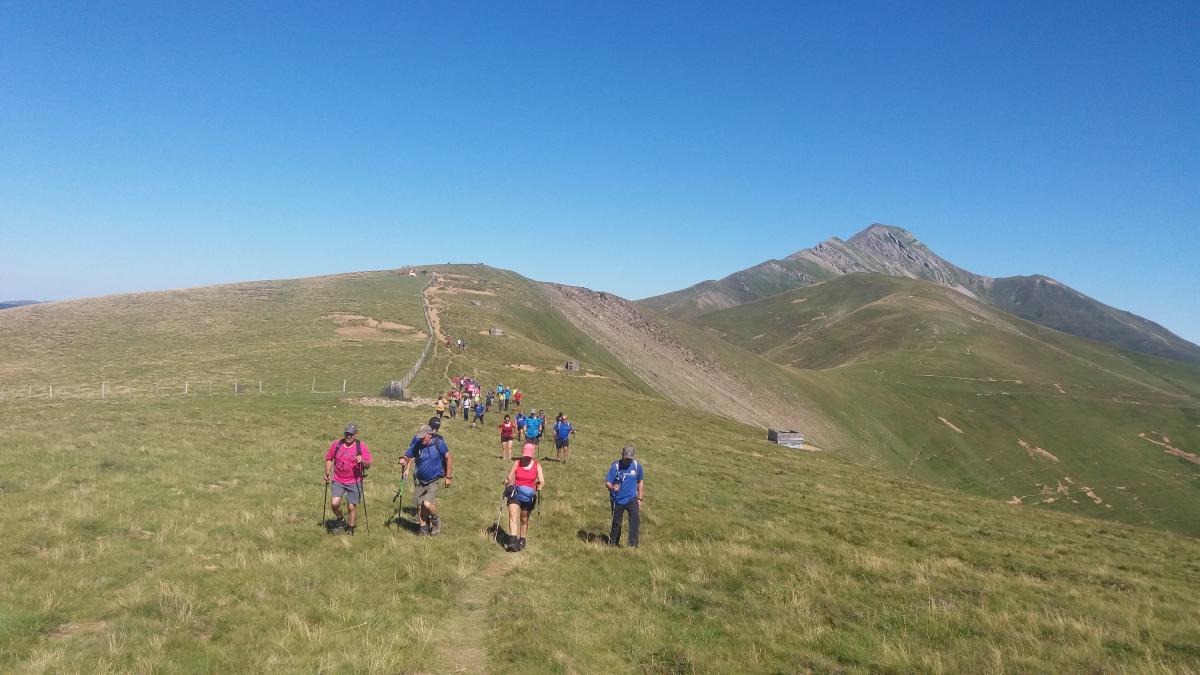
{"type": "Point", "coordinates": [51, 391]}
{"type": "Point", "coordinates": [185, 388]}
{"type": "Point", "coordinates": [314, 387]}
{"type": "Point", "coordinates": [343, 386]}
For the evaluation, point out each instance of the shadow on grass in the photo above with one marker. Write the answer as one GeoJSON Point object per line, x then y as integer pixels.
{"type": "Point", "coordinates": [398, 521]}
{"type": "Point", "coordinates": [593, 537]}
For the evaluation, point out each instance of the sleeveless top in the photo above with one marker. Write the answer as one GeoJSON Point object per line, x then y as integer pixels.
{"type": "Point", "coordinates": [526, 477]}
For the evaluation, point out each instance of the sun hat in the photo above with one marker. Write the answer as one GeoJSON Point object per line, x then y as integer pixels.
{"type": "Point", "coordinates": [351, 428]}
{"type": "Point", "coordinates": [425, 430]}
{"type": "Point", "coordinates": [627, 452]}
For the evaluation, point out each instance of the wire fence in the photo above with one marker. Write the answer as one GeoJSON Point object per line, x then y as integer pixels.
{"type": "Point", "coordinates": [398, 388]}
{"type": "Point", "coordinates": [188, 388]}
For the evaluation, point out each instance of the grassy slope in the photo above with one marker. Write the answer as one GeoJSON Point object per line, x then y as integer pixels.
{"type": "Point", "coordinates": [181, 536]}
{"type": "Point", "coordinates": [269, 330]}
{"type": "Point", "coordinates": [895, 355]}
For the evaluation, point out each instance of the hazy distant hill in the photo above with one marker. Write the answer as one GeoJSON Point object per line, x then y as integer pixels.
{"type": "Point", "coordinates": [9, 304]}
{"type": "Point", "coordinates": [884, 249]}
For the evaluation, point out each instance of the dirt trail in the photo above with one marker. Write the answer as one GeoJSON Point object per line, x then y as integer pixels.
{"type": "Point", "coordinates": [660, 359]}
{"type": "Point", "coordinates": [1172, 450]}
{"type": "Point", "coordinates": [462, 638]}
{"type": "Point", "coordinates": [947, 423]}
{"type": "Point", "coordinates": [1035, 451]}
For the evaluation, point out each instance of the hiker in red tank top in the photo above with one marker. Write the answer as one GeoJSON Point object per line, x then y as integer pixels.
{"type": "Point", "coordinates": [523, 486]}
{"type": "Point", "coordinates": [507, 431]}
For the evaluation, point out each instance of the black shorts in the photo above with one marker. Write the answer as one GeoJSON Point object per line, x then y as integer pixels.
{"type": "Point", "coordinates": [559, 445]}
{"type": "Point", "coordinates": [525, 506]}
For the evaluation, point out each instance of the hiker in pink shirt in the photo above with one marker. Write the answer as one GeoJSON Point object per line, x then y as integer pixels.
{"type": "Point", "coordinates": [346, 463]}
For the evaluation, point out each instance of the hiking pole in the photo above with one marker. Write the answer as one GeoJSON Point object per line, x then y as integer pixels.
{"type": "Point", "coordinates": [325, 505]}
{"type": "Point", "coordinates": [496, 525]}
{"type": "Point", "coordinates": [362, 492]}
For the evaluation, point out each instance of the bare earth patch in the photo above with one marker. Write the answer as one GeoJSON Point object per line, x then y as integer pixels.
{"type": "Point", "coordinates": [1015, 500]}
{"type": "Point", "coordinates": [523, 366]}
{"type": "Point", "coordinates": [1172, 450]}
{"type": "Point", "coordinates": [799, 300]}
{"type": "Point", "coordinates": [1059, 388]}
{"type": "Point", "coordinates": [381, 402]}
{"type": "Point", "coordinates": [69, 630]}
{"type": "Point", "coordinates": [947, 423]}
{"type": "Point", "coordinates": [1035, 451]}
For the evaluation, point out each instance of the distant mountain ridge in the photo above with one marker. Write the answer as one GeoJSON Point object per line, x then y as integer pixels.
{"type": "Point", "coordinates": [9, 304]}
{"type": "Point", "coordinates": [894, 251]}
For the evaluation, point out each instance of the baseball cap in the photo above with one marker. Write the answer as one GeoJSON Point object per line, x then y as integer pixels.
{"type": "Point", "coordinates": [528, 450]}
{"type": "Point", "coordinates": [351, 428]}
{"type": "Point", "coordinates": [435, 423]}
{"type": "Point", "coordinates": [424, 430]}
{"type": "Point", "coordinates": [627, 452]}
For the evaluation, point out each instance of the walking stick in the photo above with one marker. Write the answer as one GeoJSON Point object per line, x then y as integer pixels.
{"type": "Point", "coordinates": [363, 492]}
{"type": "Point", "coordinates": [325, 506]}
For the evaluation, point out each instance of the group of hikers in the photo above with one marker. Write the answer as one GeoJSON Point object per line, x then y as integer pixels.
{"type": "Point", "coordinates": [467, 394]}
{"type": "Point", "coordinates": [429, 461]}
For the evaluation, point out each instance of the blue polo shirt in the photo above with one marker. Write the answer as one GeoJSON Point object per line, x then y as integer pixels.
{"type": "Point", "coordinates": [627, 480]}
{"type": "Point", "coordinates": [431, 458]}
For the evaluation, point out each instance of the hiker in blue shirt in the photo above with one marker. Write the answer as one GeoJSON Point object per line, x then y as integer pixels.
{"type": "Point", "coordinates": [429, 453]}
{"type": "Point", "coordinates": [533, 429]}
{"type": "Point", "coordinates": [563, 431]}
{"type": "Point", "coordinates": [520, 426]}
{"type": "Point", "coordinates": [479, 410]}
{"type": "Point", "coordinates": [624, 483]}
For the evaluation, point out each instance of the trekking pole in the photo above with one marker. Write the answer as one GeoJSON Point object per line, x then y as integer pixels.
{"type": "Point", "coordinates": [325, 505]}
{"type": "Point", "coordinates": [539, 507]}
{"type": "Point", "coordinates": [496, 525]}
{"type": "Point", "coordinates": [362, 492]}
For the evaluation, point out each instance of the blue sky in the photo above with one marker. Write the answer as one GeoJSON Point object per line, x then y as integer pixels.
{"type": "Point", "coordinates": [636, 148]}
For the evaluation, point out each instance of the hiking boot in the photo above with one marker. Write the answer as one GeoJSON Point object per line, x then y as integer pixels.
{"type": "Point", "coordinates": [435, 527]}
{"type": "Point", "coordinates": [510, 544]}
{"type": "Point", "coordinates": [422, 530]}
{"type": "Point", "coordinates": [350, 530]}
{"type": "Point", "coordinates": [521, 544]}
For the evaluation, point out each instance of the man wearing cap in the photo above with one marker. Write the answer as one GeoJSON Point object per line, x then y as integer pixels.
{"type": "Point", "coordinates": [347, 460]}
{"type": "Point", "coordinates": [429, 453]}
{"type": "Point", "coordinates": [563, 431]}
{"type": "Point", "coordinates": [624, 483]}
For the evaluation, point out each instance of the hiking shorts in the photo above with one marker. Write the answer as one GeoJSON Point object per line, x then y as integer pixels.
{"type": "Point", "coordinates": [426, 493]}
{"type": "Point", "coordinates": [525, 506]}
{"type": "Point", "coordinates": [560, 444]}
{"type": "Point", "coordinates": [351, 491]}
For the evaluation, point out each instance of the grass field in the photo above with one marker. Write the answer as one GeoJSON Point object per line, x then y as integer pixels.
{"type": "Point", "coordinates": [179, 534]}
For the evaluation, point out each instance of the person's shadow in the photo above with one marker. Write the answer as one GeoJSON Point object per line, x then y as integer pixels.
{"type": "Point", "coordinates": [398, 521]}
{"type": "Point", "coordinates": [592, 537]}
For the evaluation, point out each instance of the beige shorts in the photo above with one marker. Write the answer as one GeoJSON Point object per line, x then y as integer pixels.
{"type": "Point", "coordinates": [426, 493]}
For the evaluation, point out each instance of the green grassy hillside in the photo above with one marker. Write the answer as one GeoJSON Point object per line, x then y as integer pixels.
{"type": "Point", "coordinates": [367, 328]}
{"type": "Point", "coordinates": [179, 534]}
{"type": "Point", "coordinates": [932, 385]}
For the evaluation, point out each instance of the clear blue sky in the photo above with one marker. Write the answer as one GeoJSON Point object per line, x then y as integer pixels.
{"type": "Point", "coordinates": [627, 147]}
